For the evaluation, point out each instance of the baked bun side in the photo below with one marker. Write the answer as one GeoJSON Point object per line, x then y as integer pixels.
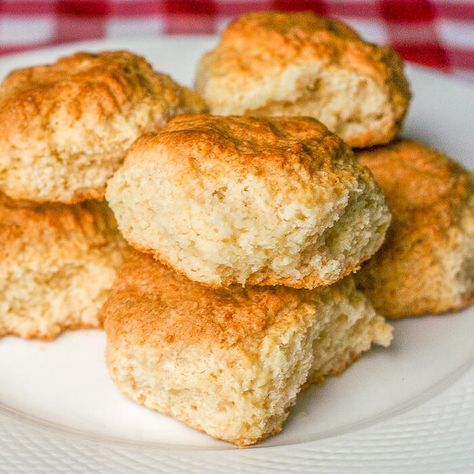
{"type": "Point", "coordinates": [229, 362]}
{"type": "Point", "coordinates": [65, 127]}
{"type": "Point", "coordinates": [426, 264]}
{"type": "Point", "coordinates": [57, 264]}
{"type": "Point", "coordinates": [258, 201]}
{"type": "Point", "coordinates": [287, 64]}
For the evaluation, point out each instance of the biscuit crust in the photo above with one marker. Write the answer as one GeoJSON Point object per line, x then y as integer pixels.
{"type": "Point", "coordinates": [426, 264]}
{"type": "Point", "coordinates": [152, 303]}
{"type": "Point", "coordinates": [66, 126]}
{"type": "Point", "coordinates": [229, 362]}
{"type": "Point", "coordinates": [57, 263]}
{"type": "Point", "coordinates": [273, 63]}
{"type": "Point", "coordinates": [258, 201]}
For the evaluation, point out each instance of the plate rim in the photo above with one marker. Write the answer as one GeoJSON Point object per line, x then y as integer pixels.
{"type": "Point", "coordinates": [430, 393]}
{"type": "Point", "coordinates": [455, 378]}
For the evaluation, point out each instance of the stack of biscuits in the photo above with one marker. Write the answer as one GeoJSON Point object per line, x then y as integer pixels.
{"type": "Point", "coordinates": [266, 252]}
{"type": "Point", "coordinates": [65, 129]}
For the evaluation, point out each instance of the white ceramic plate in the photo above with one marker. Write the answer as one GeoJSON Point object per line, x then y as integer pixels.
{"type": "Point", "coordinates": [406, 409]}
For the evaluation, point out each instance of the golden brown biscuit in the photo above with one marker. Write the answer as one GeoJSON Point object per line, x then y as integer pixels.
{"type": "Point", "coordinates": [255, 201]}
{"type": "Point", "coordinates": [57, 263]}
{"type": "Point", "coordinates": [271, 63]}
{"type": "Point", "coordinates": [426, 264]}
{"type": "Point", "coordinates": [229, 362]}
{"type": "Point", "coordinates": [65, 127]}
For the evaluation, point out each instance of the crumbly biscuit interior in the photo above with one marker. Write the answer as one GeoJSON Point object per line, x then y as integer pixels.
{"type": "Point", "coordinates": [243, 393]}
{"type": "Point", "coordinates": [349, 104]}
{"type": "Point", "coordinates": [42, 294]}
{"type": "Point", "coordinates": [65, 164]}
{"type": "Point", "coordinates": [227, 230]}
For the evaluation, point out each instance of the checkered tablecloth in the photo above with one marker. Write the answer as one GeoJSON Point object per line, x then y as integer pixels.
{"type": "Point", "coordinates": [439, 34]}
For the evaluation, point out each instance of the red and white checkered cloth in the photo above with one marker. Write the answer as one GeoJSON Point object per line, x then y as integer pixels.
{"type": "Point", "coordinates": [439, 34]}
